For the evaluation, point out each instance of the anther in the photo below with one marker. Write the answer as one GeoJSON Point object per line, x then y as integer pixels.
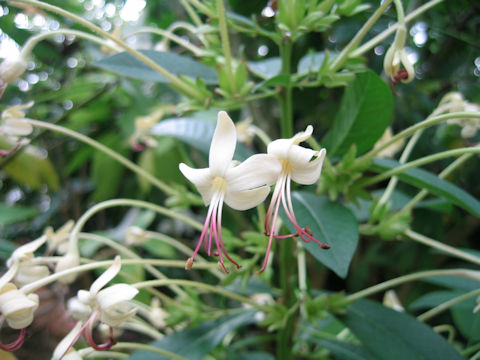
{"type": "Point", "coordinates": [223, 268]}
{"type": "Point", "coordinates": [189, 264]}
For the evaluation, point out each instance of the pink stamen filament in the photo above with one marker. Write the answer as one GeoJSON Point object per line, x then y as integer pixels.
{"type": "Point", "coordinates": [16, 344]}
{"type": "Point", "coordinates": [88, 332]}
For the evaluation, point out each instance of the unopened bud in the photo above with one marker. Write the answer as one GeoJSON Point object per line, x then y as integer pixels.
{"type": "Point", "coordinates": [12, 68]}
{"type": "Point", "coordinates": [135, 236]}
{"type": "Point", "coordinates": [189, 264]}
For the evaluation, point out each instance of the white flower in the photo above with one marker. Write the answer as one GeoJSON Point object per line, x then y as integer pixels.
{"type": "Point", "coordinates": [14, 122]}
{"type": "Point", "coordinates": [135, 236]}
{"type": "Point", "coordinates": [16, 307]}
{"type": "Point", "coordinates": [241, 187]}
{"type": "Point", "coordinates": [297, 165]}
{"type": "Point", "coordinates": [22, 260]}
{"type": "Point", "coordinates": [157, 314]}
{"type": "Point", "coordinates": [454, 102]}
{"type": "Point", "coordinates": [68, 261]}
{"type": "Point", "coordinates": [12, 68]}
{"type": "Point", "coordinates": [396, 57]}
{"type": "Point", "coordinates": [110, 303]}
{"type": "Point", "coordinates": [57, 240]}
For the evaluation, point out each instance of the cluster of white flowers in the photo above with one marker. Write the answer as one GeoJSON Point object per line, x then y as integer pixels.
{"type": "Point", "coordinates": [245, 185]}
{"type": "Point", "coordinates": [454, 102]}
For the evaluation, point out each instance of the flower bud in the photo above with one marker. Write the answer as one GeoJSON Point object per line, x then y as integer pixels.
{"type": "Point", "coordinates": [396, 56]}
{"type": "Point", "coordinates": [12, 68]}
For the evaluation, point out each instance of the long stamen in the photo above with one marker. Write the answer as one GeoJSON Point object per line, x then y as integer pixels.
{"type": "Point", "coordinates": [89, 335]}
{"type": "Point", "coordinates": [272, 230]}
{"type": "Point", "coordinates": [215, 234]}
{"type": "Point", "coordinates": [219, 225]}
{"type": "Point", "coordinates": [16, 344]}
{"type": "Point", "coordinates": [80, 332]}
{"type": "Point", "coordinates": [276, 193]}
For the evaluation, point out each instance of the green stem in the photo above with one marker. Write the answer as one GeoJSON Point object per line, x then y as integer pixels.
{"type": "Point", "coordinates": [180, 85]}
{"type": "Point", "coordinates": [193, 15]}
{"type": "Point", "coordinates": [447, 171]}
{"type": "Point", "coordinates": [285, 96]}
{"type": "Point", "coordinates": [73, 239]}
{"type": "Point", "coordinates": [442, 247]}
{"type": "Point", "coordinates": [33, 286]}
{"type": "Point", "coordinates": [470, 350]}
{"type": "Point", "coordinates": [34, 40]}
{"type": "Point", "coordinates": [386, 33]}
{"type": "Point", "coordinates": [222, 22]}
{"type": "Point", "coordinates": [447, 305]}
{"type": "Point", "coordinates": [430, 121]}
{"type": "Point", "coordinates": [204, 9]}
{"type": "Point", "coordinates": [114, 155]}
{"type": "Point", "coordinates": [344, 54]}
{"type": "Point", "coordinates": [466, 273]}
{"type": "Point", "coordinates": [131, 254]}
{"type": "Point", "coordinates": [153, 349]}
{"type": "Point", "coordinates": [200, 285]}
{"type": "Point", "coordinates": [420, 162]}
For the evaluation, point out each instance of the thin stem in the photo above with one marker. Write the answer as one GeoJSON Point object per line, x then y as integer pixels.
{"type": "Point", "coordinates": [466, 273]}
{"type": "Point", "coordinates": [202, 8]}
{"type": "Point", "coordinates": [33, 286]}
{"type": "Point", "coordinates": [344, 54]}
{"type": "Point", "coordinates": [193, 15]}
{"type": "Point", "coordinates": [222, 22]}
{"type": "Point", "coordinates": [34, 40]}
{"type": "Point", "coordinates": [124, 161]}
{"type": "Point", "coordinates": [447, 171]}
{"type": "Point", "coordinates": [447, 305]}
{"type": "Point", "coordinates": [180, 85]}
{"type": "Point", "coordinates": [285, 96]}
{"type": "Point", "coordinates": [73, 239]}
{"type": "Point", "coordinates": [430, 121]}
{"type": "Point", "coordinates": [153, 349]}
{"type": "Point", "coordinates": [169, 35]}
{"type": "Point", "coordinates": [442, 247]}
{"type": "Point", "coordinates": [403, 158]}
{"type": "Point", "coordinates": [386, 33]}
{"type": "Point", "coordinates": [131, 254]}
{"type": "Point", "coordinates": [302, 276]}
{"type": "Point", "coordinates": [420, 162]}
{"type": "Point", "coordinates": [203, 286]}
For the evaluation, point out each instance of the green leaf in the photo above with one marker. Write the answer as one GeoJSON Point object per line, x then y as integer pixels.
{"type": "Point", "coordinates": [393, 335]}
{"type": "Point", "coordinates": [331, 223]}
{"type": "Point", "coordinates": [194, 344]}
{"type": "Point", "coordinates": [13, 214]}
{"type": "Point", "coordinates": [343, 350]}
{"type": "Point", "coordinates": [312, 62]}
{"type": "Point", "coordinates": [266, 68]}
{"type": "Point", "coordinates": [365, 112]}
{"type": "Point", "coordinates": [6, 249]}
{"type": "Point", "coordinates": [127, 65]}
{"type": "Point", "coordinates": [195, 132]}
{"type": "Point", "coordinates": [424, 179]}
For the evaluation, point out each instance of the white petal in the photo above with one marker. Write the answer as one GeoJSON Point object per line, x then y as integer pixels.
{"type": "Point", "coordinates": [27, 274]}
{"type": "Point", "coordinates": [243, 200]}
{"type": "Point", "coordinates": [300, 156]}
{"type": "Point", "coordinates": [118, 315]}
{"type": "Point", "coordinates": [16, 127]}
{"type": "Point", "coordinates": [309, 173]}
{"type": "Point", "coordinates": [257, 170]}
{"type": "Point", "coordinates": [303, 135]}
{"type": "Point", "coordinates": [201, 178]}
{"type": "Point", "coordinates": [68, 261]}
{"type": "Point", "coordinates": [115, 294]}
{"type": "Point", "coordinates": [279, 148]}
{"type": "Point", "coordinates": [108, 275]}
{"type": "Point", "coordinates": [25, 252]}
{"type": "Point", "coordinates": [66, 342]}
{"type": "Point", "coordinates": [223, 145]}
{"type": "Point", "coordinates": [78, 309]}
{"type": "Point", "coordinates": [17, 308]}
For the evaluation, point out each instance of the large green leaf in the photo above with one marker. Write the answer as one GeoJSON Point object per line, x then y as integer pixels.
{"type": "Point", "coordinates": [127, 65]}
{"type": "Point", "coordinates": [331, 223]}
{"type": "Point", "coordinates": [364, 114]}
{"type": "Point", "coordinates": [393, 335]}
{"type": "Point", "coordinates": [424, 179]}
{"type": "Point", "coordinates": [194, 344]}
{"type": "Point", "coordinates": [343, 350]}
{"type": "Point", "coordinates": [195, 132]}
{"type": "Point", "coordinates": [266, 68]}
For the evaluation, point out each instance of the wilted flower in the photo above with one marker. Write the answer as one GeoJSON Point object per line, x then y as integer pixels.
{"type": "Point", "coordinates": [241, 187]}
{"type": "Point", "coordinates": [396, 57]}
{"type": "Point", "coordinates": [297, 165]}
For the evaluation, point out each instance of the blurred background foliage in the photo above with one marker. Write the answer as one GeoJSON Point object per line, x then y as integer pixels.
{"type": "Point", "coordinates": [69, 91]}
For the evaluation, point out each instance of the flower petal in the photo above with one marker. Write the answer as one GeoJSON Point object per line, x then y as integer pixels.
{"type": "Point", "coordinates": [302, 135]}
{"type": "Point", "coordinates": [201, 178]}
{"type": "Point", "coordinates": [279, 148]}
{"type": "Point", "coordinates": [223, 145]}
{"type": "Point", "coordinates": [257, 170]}
{"type": "Point", "coordinates": [300, 156]}
{"type": "Point", "coordinates": [115, 294]}
{"type": "Point", "coordinates": [247, 199]}
{"type": "Point", "coordinates": [17, 127]}
{"type": "Point", "coordinates": [17, 307]}
{"type": "Point", "coordinates": [25, 252]}
{"type": "Point", "coordinates": [66, 342]}
{"type": "Point", "coordinates": [108, 275]}
{"type": "Point", "coordinates": [309, 173]}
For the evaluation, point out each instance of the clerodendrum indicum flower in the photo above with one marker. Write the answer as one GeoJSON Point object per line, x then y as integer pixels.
{"type": "Point", "coordinates": [297, 165]}
{"type": "Point", "coordinates": [241, 187]}
{"type": "Point", "coordinates": [110, 305]}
